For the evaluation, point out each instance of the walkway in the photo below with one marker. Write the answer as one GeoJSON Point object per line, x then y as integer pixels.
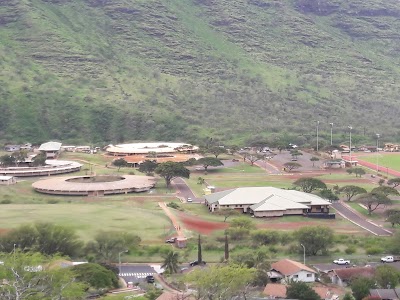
{"type": "Point", "coordinates": [348, 213]}
{"type": "Point", "coordinates": [173, 219]}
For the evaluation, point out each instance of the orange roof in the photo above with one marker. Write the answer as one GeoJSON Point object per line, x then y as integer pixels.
{"type": "Point", "coordinates": [275, 290]}
{"type": "Point", "coordinates": [288, 267]}
{"type": "Point", "coordinates": [348, 273]}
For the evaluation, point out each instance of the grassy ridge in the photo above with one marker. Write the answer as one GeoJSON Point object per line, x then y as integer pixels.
{"type": "Point", "coordinates": [110, 71]}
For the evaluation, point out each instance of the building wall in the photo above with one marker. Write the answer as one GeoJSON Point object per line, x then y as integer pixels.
{"type": "Point", "coordinates": [263, 214]}
{"type": "Point", "coordinates": [303, 276]}
{"type": "Point", "coordinates": [293, 212]}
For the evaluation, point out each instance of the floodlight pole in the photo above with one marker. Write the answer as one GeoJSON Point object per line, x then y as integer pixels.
{"type": "Point", "coordinates": [331, 131]}
{"type": "Point", "coordinates": [119, 261]}
{"type": "Point", "coordinates": [304, 254]}
{"type": "Point", "coordinates": [351, 163]}
{"type": "Point", "coordinates": [377, 154]}
{"type": "Point", "coordinates": [317, 135]}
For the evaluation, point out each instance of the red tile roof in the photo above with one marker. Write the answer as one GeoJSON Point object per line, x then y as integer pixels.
{"type": "Point", "coordinates": [288, 267]}
{"type": "Point", "coordinates": [347, 274]}
{"type": "Point", "coordinates": [275, 290]}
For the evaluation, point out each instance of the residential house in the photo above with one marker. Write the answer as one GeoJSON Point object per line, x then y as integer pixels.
{"type": "Point", "coordinates": [385, 294]}
{"type": "Point", "coordinates": [278, 291]}
{"type": "Point", "coordinates": [52, 149]}
{"type": "Point", "coordinates": [342, 277]}
{"type": "Point", "coordinates": [287, 270]}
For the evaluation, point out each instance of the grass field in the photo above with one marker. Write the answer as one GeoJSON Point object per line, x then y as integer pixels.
{"type": "Point", "coordinates": [390, 160]}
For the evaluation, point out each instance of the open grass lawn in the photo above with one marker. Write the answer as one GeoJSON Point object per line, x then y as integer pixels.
{"type": "Point", "coordinates": [146, 220]}
{"type": "Point", "coordinates": [390, 160]}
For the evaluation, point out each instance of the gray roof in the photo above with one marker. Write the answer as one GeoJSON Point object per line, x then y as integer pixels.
{"type": "Point", "coordinates": [385, 293]}
{"type": "Point", "coordinates": [50, 146]}
{"type": "Point", "coordinates": [256, 195]}
{"type": "Point", "coordinates": [274, 203]}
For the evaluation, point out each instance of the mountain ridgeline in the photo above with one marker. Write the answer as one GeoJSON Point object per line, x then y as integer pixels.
{"type": "Point", "coordinates": [119, 70]}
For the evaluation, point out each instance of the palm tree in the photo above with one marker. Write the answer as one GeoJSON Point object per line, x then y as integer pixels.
{"type": "Point", "coordinates": [171, 262]}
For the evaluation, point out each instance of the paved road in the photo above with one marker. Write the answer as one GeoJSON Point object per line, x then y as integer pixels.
{"type": "Point", "coordinates": [358, 220]}
{"type": "Point", "coordinates": [184, 191]}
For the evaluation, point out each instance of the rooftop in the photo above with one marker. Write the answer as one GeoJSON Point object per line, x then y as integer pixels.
{"type": "Point", "coordinates": [288, 267]}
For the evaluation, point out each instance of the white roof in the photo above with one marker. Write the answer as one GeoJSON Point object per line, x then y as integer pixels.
{"type": "Point", "coordinates": [144, 148]}
{"type": "Point", "coordinates": [2, 178]}
{"type": "Point", "coordinates": [268, 198]}
{"type": "Point", "coordinates": [50, 146]}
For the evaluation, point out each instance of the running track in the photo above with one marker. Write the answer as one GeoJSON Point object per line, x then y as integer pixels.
{"type": "Point", "coordinates": [373, 166]}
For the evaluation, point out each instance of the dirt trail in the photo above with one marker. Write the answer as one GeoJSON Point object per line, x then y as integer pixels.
{"type": "Point", "coordinates": [173, 219]}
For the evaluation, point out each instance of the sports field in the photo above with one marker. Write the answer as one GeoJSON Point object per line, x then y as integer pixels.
{"type": "Point", "coordinates": [390, 160]}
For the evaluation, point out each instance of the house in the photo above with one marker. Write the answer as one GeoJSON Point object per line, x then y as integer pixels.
{"type": "Point", "coordinates": [268, 202]}
{"type": "Point", "coordinates": [287, 270]}
{"type": "Point", "coordinates": [52, 149]}
{"type": "Point", "coordinates": [385, 294]}
{"type": "Point", "coordinates": [7, 180]}
{"type": "Point", "coordinates": [334, 164]}
{"type": "Point", "coordinates": [278, 291]}
{"type": "Point", "coordinates": [342, 277]}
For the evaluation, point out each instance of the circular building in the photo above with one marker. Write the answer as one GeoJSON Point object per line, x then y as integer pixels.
{"type": "Point", "coordinates": [99, 185]}
{"type": "Point", "coordinates": [52, 167]}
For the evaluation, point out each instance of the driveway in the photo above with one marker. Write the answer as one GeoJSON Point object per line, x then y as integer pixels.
{"type": "Point", "coordinates": [184, 192]}
{"type": "Point", "coordinates": [358, 220]}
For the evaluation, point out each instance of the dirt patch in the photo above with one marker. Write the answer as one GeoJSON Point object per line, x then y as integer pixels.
{"type": "Point", "coordinates": [200, 225]}
{"type": "Point", "coordinates": [4, 231]}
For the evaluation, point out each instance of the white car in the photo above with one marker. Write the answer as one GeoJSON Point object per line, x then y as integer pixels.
{"type": "Point", "coordinates": [189, 199]}
{"type": "Point", "coordinates": [341, 261]}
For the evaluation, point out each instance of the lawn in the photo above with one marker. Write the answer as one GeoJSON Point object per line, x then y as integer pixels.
{"type": "Point", "coordinates": [390, 160]}
{"type": "Point", "coordinates": [144, 219]}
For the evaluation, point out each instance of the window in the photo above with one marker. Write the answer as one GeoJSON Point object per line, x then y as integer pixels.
{"type": "Point", "coordinates": [309, 275]}
{"type": "Point", "coordinates": [295, 276]}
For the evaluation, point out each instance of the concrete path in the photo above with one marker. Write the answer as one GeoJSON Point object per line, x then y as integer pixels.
{"type": "Point", "coordinates": [348, 213]}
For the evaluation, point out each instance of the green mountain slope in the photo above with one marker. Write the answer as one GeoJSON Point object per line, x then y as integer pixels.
{"type": "Point", "coordinates": [117, 70]}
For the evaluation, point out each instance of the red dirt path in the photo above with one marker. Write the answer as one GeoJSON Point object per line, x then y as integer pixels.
{"type": "Point", "coordinates": [200, 225]}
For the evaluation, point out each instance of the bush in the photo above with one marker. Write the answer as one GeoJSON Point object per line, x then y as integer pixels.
{"type": "Point", "coordinates": [350, 250]}
{"type": "Point", "coordinates": [173, 205]}
{"type": "Point", "coordinates": [374, 250]}
{"type": "Point", "coordinates": [52, 201]}
{"type": "Point", "coordinates": [7, 201]}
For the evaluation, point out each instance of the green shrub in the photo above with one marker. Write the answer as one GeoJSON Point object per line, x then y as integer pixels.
{"type": "Point", "coordinates": [374, 250]}
{"type": "Point", "coordinates": [173, 205]}
{"type": "Point", "coordinates": [350, 250]}
{"type": "Point", "coordinates": [52, 201]}
{"type": "Point", "coordinates": [7, 201]}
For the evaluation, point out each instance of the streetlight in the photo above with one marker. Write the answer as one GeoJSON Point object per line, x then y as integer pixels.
{"type": "Point", "coordinates": [331, 131]}
{"type": "Point", "coordinates": [14, 253]}
{"type": "Point", "coordinates": [119, 260]}
{"type": "Point", "coordinates": [304, 254]}
{"type": "Point", "coordinates": [317, 135]}
{"type": "Point", "coordinates": [377, 154]}
{"type": "Point", "coordinates": [350, 128]}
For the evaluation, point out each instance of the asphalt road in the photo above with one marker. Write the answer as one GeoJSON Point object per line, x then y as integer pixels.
{"type": "Point", "coordinates": [184, 192]}
{"type": "Point", "coordinates": [135, 273]}
{"type": "Point", "coordinates": [358, 220]}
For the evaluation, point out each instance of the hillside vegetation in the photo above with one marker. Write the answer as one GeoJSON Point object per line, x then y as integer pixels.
{"type": "Point", "coordinates": [118, 70]}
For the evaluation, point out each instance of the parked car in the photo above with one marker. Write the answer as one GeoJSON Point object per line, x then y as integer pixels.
{"type": "Point", "coordinates": [341, 261]}
{"type": "Point", "coordinates": [389, 259]}
{"type": "Point", "coordinates": [196, 263]}
{"type": "Point", "coordinates": [171, 240]}
{"type": "Point", "coordinates": [150, 279]}
{"type": "Point", "coordinates": [189, 199]}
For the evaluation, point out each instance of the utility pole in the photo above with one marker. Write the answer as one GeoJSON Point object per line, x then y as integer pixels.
{"type": "Point", "coordinates": [377, 153]}
{"type": "Point", "coordinates": [350, 128]}
{"type": "Point", "coordinates": [317, 135]}
{"type": "Point", "coordinates": [331, 131]}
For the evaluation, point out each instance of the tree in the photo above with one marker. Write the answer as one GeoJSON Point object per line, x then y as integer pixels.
{"type": "Point", "coordinates": [227, 212]}
{"type": "Point", "coordinates": [385, 190]}
{"type": "Point", "coordinates": [309, 184]}
{"type": "Point", "coordinates": [394, 181]}
{"type": "Point", "coordinates": [169, 170]}
{"type": "Point", "coordinates": [301, 291]}
{"type": "Point", "coordinates": [329, 195]}
{"type": "Point", "coordinates": [361, 286]}
{"type": "Point", "coordinates": [316, 239]}
{"type": "Point", "coordinates": [226, 248]}
{"type": "Point", "coordinates": [199, 253]}
{"type": "Point", "coordinates": [19, 156]}
{"type": "Point", "coordinates": [7, 160]}
{"type": "Point", "coordinates": [107, 244]}
{"type": "Point", "coordinates": [201, 180]}
{"type": "Point", "coordinates": [387, 276]}
{"type": "Point", "coordinates": [221, 281]}
{"type": "Point", "coordinates": [351, 191]}
{"type": "Point", "coordinates": [373, 201]}
{"type": "Point", "coordinates": [358, 171]}
{"type": "Point", "coordinates": [216, 151]}
{"type": "Point", "coordinates": [291, 166]}
{"type": "Point", "coordinates": [171, 260]}
{"type": "Point", "coordinates": [39, 159]}
{"type": "Point", "coordinates": [253, 157]}
{"type": "Point", "coordinates": [348, 296]}
{"type": "Point", "coordinates": [242, 222]}
{"type": "Point", "coordinates": [209, 161]}
{"type": "Point", "coordinates": [96, 276]}
{"type": "Point", "coordinates": [394, 219]}
{"type": "Point", "coordinates": [120, 162]}
{"type": "Point", "coordinates": [46, 238]}
{"type": "Point", "coordinates": [33, 276]}
{"type": "Point", "coordinates": [233, 149]}
{"type": "Point", "coordinates": [295, 153]}
{"type": "Point", "coordinates": [148, 167]}
{"type": "Point", "coordinates": [314, 159]}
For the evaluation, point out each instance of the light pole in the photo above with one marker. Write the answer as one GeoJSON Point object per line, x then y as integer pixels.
{"type": "Point", "coordinates": [14, 252]}
{"type": "Point", "coordinates": [304, 254]}
{"type": "Point", "coordinates": [350, 128]}
{"type": "Point", "coordinates": [331, 131]}
{"type": "Point", "coordinates": [377, 154]}
{"type": "Point", "coordinates": [317, 135]}
{"type": "Point", "coordinates": [119, 260]}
